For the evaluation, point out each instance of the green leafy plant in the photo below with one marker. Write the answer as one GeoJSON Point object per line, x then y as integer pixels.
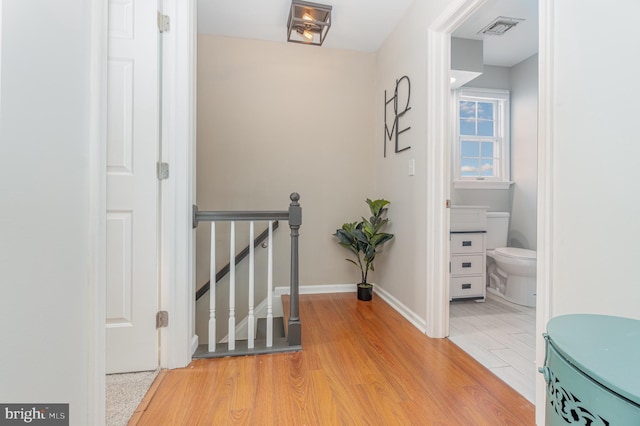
{"type": "Point", "coordinates": [365, 238]}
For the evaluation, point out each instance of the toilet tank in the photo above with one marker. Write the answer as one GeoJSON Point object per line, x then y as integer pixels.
{"type": "Point", "coordinates": [497, 229]}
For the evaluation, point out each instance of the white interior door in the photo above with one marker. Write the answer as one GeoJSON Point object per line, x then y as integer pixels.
{"type": "Point", "coordinates": [132, 187]}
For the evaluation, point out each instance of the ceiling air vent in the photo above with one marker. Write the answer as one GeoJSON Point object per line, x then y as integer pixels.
{"type": "Point", "coordinates": [500, 25]}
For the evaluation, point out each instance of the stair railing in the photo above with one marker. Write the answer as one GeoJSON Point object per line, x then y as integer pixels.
{"type": "Point", "coordinates": [239, 258]}
{"type": "Point", "coordinates": [294, 216]}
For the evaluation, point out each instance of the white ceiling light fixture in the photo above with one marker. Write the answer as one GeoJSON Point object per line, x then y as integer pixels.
{"type": "Point", "coordinates": [500, 25]}
{"type": "Point", "coordinates": [308, 22]}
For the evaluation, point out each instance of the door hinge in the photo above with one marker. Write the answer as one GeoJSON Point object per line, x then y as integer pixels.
{"type": "Point", "coordinates": [447, 204]}
{"type": "Point", "coordinates": [163, 22]}
{"type": "Point", "coordinates": [163, 170]}
{"type": "Point", "coordinates": [162, 319]}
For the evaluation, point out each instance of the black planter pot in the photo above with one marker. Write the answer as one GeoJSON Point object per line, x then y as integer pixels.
{"type": "Point", "coordinates": [365, 293]}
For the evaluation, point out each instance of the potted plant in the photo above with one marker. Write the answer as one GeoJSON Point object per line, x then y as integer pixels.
{"type": "Point", "coordinates": [365, 240]}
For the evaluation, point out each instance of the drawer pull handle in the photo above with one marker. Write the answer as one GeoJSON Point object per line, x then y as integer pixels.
{"type": "Point", "coordinates": [466, 286]}
{"type": "Point", "coordinates": [466, 264]}
{"type": "Point", "coordinates": [466, 244]}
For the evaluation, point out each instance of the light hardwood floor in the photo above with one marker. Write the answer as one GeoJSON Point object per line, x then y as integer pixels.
{"type": "Point", "coordinates": [361, 364]}
{"type": "Point", "coordinates": [501, 336]}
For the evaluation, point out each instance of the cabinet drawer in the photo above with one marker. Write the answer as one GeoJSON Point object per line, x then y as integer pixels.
{"type": "Point", "coordinates": [467, 243]}
{"type": "Point", "coordinates": [467, 287]}
{"type": "Point", "coordinates": [467, 265]}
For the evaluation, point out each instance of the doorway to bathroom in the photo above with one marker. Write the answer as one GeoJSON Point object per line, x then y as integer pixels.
{"type": "Point", "coordinates": [498, 333]}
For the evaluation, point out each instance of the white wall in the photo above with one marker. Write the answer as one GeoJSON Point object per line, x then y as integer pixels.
{"type": "Point", "coordinates": [524, 153]}
{"type": "Point", "coordinates": [594, 170]}
{"type": "Point", "coordinates": [401, 269]}
{"type": "Point", "coordinates": [46, 306]}
{"type": "Point", "coordinates": [276, 118]}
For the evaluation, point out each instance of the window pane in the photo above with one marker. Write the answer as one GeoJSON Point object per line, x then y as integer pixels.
{"type": "Point", "coordinates": [482, 117]}
{"type": "Point", "coordinates": [470, 149]}
{"type": "Point", "coordinates": [487, 150]}
{"type": "Point", "coordinates": [467, 109]}
{"type": "Point", "coordinates": [469, 167]}
{"type": "Point", "coordinates": [485, 128]}
{"type": "Point", "coordinates": [485, 110]}
{"type": "Point", "coordinates": [487, 168]}
{"type": "Point", "coordinates": [467, 127]}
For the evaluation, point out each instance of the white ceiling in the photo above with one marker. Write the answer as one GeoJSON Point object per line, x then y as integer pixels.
{"type": "Point", "coordinates": [515, 45]}
{"type": "Point", "coordinates": [364, 24]}
{"type": "Point", "coordinates": [356, 24]}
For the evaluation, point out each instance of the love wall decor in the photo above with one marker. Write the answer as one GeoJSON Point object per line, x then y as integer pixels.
{"type": "Point", "coordinates": [400, 106]}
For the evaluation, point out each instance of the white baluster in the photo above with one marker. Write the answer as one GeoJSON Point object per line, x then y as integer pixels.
{"type": "Point", "coordinates": [270, 288]}
{"type": "Point", "coordinates": [232, 288]}
{"type": "Point", "coordinates": [212, 291]}
{"type": "Point", "coordinates": [251, 325]}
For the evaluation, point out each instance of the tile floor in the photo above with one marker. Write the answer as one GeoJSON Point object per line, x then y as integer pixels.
{"type": "Point", "coordinates": [501, 336]}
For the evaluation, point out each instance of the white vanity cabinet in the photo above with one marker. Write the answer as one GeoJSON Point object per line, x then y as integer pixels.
{"type": "Point", "coordinates": [468, 260]}
{"type": "Point", "coordinates": [468, 265]}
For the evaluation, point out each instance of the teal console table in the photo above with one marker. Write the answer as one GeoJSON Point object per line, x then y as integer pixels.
{"type": "Point", "coordinates": [592, 370]}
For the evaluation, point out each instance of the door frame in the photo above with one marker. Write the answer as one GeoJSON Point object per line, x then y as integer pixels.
{"type": "Point", "coordinates": [438, 115]}
{"type": "Point", "coordinates": [439, 157]}
{"type": "Point", "coordinates": [544, 264]}
{"type": "Point", "coordinates": [177, 258]}
{"type": "Point", "coordinates": [176, 271]}
{"type": "Point", "coordinates": [98, 211]}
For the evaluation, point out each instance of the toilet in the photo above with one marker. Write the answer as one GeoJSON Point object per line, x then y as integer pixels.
{"type": "Point", "coordinates": [511, 271]}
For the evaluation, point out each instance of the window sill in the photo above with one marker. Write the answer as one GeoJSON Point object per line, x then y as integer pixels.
{"type": "Point", "coordinates": [480, 184]}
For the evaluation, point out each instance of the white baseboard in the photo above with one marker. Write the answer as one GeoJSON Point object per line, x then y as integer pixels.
{"type": "Point", "coordinates": [318, 289]}
{"type": "Point", "coordinates": [194, 344]}
{"type": "Point", "coordinates": [409, 315]}
{"type": "Point", "coordinates": [403, 310]}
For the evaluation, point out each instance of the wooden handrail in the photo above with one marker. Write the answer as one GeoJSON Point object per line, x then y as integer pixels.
{"type": "Point", "coordinates": [239, 258]}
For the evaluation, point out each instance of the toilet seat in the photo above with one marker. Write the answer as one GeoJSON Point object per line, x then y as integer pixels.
{"type": "Point", "coordinates": [516, 253]}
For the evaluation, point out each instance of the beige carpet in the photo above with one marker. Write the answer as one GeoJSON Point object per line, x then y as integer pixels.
{"type": "Point", "coordinates": [124, 393]}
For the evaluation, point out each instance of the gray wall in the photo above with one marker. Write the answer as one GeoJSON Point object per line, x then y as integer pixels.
{"type": "Point", "coordinates": [402, 269]}
{"type": "Point", "coordinates": [498, 200]}
{"type": "Point", "coordinates": [520, 198]}
{"type": "Point", "coordinates": [492, 78]}
{"type": "Point", "coordinates": [524, 152]}
{"type": "Point", "coordinates": [466, 54]}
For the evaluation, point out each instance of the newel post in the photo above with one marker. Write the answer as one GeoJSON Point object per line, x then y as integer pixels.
{"type": "Point", "coordinates": [294, 336]}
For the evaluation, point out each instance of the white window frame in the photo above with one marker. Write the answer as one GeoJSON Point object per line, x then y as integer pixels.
{"type": "Point", "coordinates": [502, 180]}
